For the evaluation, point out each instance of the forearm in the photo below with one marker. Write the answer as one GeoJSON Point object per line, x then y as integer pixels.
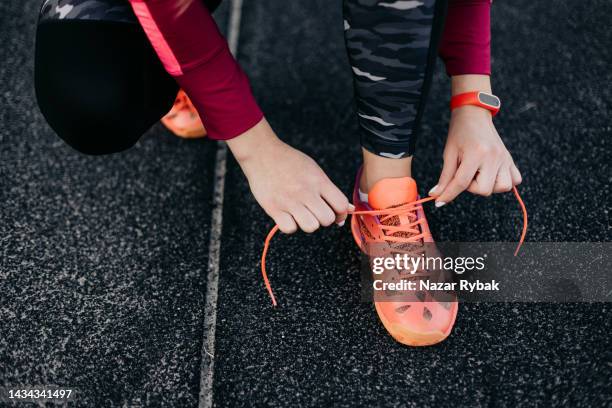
{"type": "Point", "coordinates": [193, 51]}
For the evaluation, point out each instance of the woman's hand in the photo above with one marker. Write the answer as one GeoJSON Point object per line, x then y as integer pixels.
{"type": "Point", "coordinates": [289, 185]}
{"type": "Point", "coordinates": [475, 158]}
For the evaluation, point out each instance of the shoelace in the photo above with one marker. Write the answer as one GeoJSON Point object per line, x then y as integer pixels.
{"type": "Point", "coordinates": [404, 209]}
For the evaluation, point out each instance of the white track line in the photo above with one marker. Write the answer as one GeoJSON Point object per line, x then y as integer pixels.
{"type": "Point", "coordinates": [233, 30]}
{"type": "Point", "coordinates": [214, 245]}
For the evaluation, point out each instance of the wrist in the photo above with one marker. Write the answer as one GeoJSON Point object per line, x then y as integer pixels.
{"type": "Point", "coordinates": [472, 112]}
{"type": "Point", "coordinates": [254, 142]}
{"type": "Point", "coordinates": [469, 83]}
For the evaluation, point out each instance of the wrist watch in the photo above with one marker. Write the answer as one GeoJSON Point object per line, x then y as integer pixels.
{"type": "Point", "coordinates": [484, 100]}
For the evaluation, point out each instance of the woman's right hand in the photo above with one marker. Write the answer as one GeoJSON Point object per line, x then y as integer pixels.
{"type": "Point", "coordinates": [289, 185]}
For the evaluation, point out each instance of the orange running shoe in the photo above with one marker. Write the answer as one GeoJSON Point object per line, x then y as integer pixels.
{"type": "Point", "coordinates": [183, 119]}
{"type": "Point", "coordinates": [392, 222]}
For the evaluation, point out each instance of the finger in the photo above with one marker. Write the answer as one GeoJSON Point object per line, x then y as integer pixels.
{"type": "Point", "coordinates": [503, 182]}
{"type": "Point", "coordinates": [337, 201]}
{"type": "Point", "coordinates": [285, 222]}
{"type": "Point", "coordinates": [516, 175]}
{"type": "Point", "coordinates": [485, 179]}
{"type": "Point", "coordinates": [322, 211]}
{"type": "Point", "coordinates": [460, 182]}
{"type": "Point", "coordinates": [305, 219]}
{"type": "Point", "coordinates": [448, 171]}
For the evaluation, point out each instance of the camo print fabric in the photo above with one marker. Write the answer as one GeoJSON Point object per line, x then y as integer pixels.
{"type": "Point", "coordinates": [388, 44]}
{"type": "Point", "coordinates": [104, 10]}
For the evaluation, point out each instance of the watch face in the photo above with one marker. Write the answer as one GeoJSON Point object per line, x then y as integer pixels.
{"type": "Point", "coordinates": [490, 100]}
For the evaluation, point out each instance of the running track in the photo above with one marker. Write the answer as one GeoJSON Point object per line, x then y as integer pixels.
{"type": "Point", "coordinates": [114, 279]}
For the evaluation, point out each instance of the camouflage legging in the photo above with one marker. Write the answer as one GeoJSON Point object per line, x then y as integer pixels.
{"type": "Point", "coordinates": [392, 47]}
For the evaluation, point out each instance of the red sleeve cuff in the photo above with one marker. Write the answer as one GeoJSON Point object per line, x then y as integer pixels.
{"type": "Point", "coordinates": [466, 42]}
{"type": "Point", "coordinates": [221, 93]}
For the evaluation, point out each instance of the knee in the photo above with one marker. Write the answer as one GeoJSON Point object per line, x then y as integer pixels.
{"type": "Point", "coordinates": [92, 123]}
{"type": "Point", "coordinates": [99, 98]}
{"type": "Point", "coordinates": [98, 139]}
{"type": "Point", "coordinates": [91, 135]}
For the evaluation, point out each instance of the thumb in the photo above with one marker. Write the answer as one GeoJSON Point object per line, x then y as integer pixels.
{"type": "Point", "coordinates": [448, 172]}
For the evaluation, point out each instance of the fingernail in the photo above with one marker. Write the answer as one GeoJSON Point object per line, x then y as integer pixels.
{"type": "Point", "coordinates": [341, 223]}
{"type": "Point", "coordinates": [351, 207]}
{"type": "Point", "coordinates": [440, 204]}
{"type": "Point", "coordinates": [433, 190]}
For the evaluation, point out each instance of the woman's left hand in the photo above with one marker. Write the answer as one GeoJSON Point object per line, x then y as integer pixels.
{"type": "Point", "coordinates": [475, 158]}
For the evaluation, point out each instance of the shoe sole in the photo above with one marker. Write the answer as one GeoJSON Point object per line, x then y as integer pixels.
{"type": "Point", "coordinates": [411, 338]}
{"type": "Point", "coordinates": [189, 135]}
{"type": "Point", "coordinates": [185, 133]}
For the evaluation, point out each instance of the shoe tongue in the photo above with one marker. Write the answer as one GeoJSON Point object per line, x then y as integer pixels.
{"type": "Point", "coordinates": [392, 192]}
